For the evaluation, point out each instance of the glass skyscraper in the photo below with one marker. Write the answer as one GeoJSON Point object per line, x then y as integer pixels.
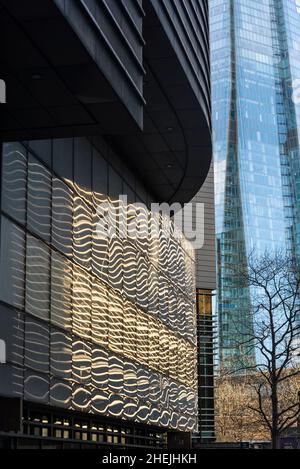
{"type": "Point", "coordinates": [255, 53]}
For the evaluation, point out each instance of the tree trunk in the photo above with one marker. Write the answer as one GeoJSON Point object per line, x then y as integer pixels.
{"type": "Point", "coordinates": [274, 398]}
{"type": "Point", "coordinates": [274, 439]}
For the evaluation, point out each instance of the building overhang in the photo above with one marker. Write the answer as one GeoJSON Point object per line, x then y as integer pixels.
{"type": "Point", "coordinates": [57, 86]}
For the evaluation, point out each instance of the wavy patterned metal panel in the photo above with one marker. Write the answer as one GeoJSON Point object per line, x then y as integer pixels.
{"type": "Point", "coordinates": [38, 199]}
{"type": "Point", "coordinates": [62, 216]}
{"type": "Point", "coordinates": [61, 298]}
{"type": "Point", "coordinates": [37, 278]}
{"type": "Point", "coordinates": [119, 344]}
{"type": "Point", "coordinates": [14, 180]}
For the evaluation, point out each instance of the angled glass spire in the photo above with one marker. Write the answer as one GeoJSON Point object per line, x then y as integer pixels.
{"type": "Point", "coordinates": [255, 54]}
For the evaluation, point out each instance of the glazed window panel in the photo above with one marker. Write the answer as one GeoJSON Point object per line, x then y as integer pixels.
{"type": "Point", "coordinates": [12, 332]}
{"type": "Point", "coordinates": [61, 291]}
{"type": "Point", "coordinates": [60, 396]}
{"type": "Point", "coordinates": [100, 367]}
{"type": "Point", "coordinates": [191, 367]}
{"type": "Point", "coordinates": [143, 383]}
{"type": "Point", "coordinates": [191, 403]}
{"type": "Point", "coordinates": [181, 314]}
{"type": "Point", "coordinates": [189, 277]}
{"type": "Point", "coordinates": [173, 309]}
{"type": "Point", "coordinates": [39, 199]}
{"type": "Point", "coordinates": [12, 258]}
{"type": "Point", "coordinates": [119, 348]}
{"type": "Point", "coordinates": [142, 281]}
{"type": "Point", "coordinates": [130, 271]}
{"type": "Point", "coordinates": [180, 267]}
{"type": "Point", "coordinates": [163, 299]}
{"type": "Point", "coordinates": [154, 388]}
{"type": "Point", "coordinates": [14, 180]}
{"type": "Point", "coordinates": [164, 351]}
{"type": "Point", "coordinates": [100, 316]}
{"type": "Point", "coordinates": [116, 266]}
{"type": "Point", "coordinates": [172, 258]}
{"type": "Point", "coordinates": [81, 401]}
{"type": "Point", "coordinates": [37, 346]}
{"type": "Point", "coordinates": [82, 301]}
{"type": "Point", "coordinates": [63, 159]}
{"type": "Point", "coordinates": [153, 295]}
{"type": "Point", "coordinates": [182, 361]}
{"type": "Point", "coordinates": [132, 225]}
{"type": "Point", "coordinates": [173, 396]}
{"type": "Point", "coordinates": [37, 278]}
{"type": "Point", "coordinates": [83, 168]}
{"type": "Point", "coordinates": [130, 330]}
{"type": "Point", "coordinates": [100, 246]}
{"type": "Point", "coordinates": [130, 379]}
{"type": "Point", "coordinates": [36, 386]}
{"type": "Point", "coordinates": [153, 239]}
{"type": "Point", "coordinates": [190, 321]}
{"type": "Point", "coordinates": [116, 317]}
{"type": "Point", "coordinates": [116, 374]}
{"type": "Point", "coordinates": [142, 229]}
{"type": "Point", "coordinates": [182, 398]}
{"type": "Point", "coordinates": [43, 149]}
{"type": "Point", "coordinates": [173, 344]}
{"type": "Point", "coordinates": [62, 217]}
{"type": "Point", "coordinates": [81, 361]}
{"type": "Point", "coordinates": [114, 185]}
{"type": "Point", "coordinates": [142, 334]}
{"type": "Point", "coordinates": [163, 246]}
{"type": "Point", "coordinates": [164, 394]}
{"type": "Point", "coordinates": [61, 354]}
{"type": "Point", "coordinates": [82, 224]}
{"type": "Point", "coordinates": [154, 350]}
{"type": "Point", "coordinates": [100, 179]}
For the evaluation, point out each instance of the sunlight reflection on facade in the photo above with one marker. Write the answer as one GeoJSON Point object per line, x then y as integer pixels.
{"type": "Point", "coordinates": [109, 324]}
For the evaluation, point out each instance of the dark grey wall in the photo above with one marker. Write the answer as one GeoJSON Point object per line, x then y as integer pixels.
{"type": "Point", "coordinates": [205, 257]}
{"type": "Point", "coordinates": [186, 25]}
{"type": "Point", "coordinates": [112, 33]}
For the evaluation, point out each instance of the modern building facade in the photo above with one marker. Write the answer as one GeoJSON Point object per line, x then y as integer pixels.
{"type": "Point", "coordinates": [255, 62]}
{"type": "Point", "coordinates": [98, 333]}
{"type": "Point", "coordinates": [206, 324]}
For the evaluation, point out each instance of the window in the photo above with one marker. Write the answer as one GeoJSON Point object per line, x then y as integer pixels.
{"type": "Point", "coordinates": [37, 278]}
{"type": "Point", "coordinates": [61, 290]}
{"type": "Point", "coordinates": [36, 345]}
{"type": "Point", "coordinates": [63, 158]}
{"type": "Point", "coordinates": [100, 368]}
{"type": "Point", "coordinates": [42, 148]}
{"type": "Point", "coordinates": [82, 233]}
{"type": "Point", "coordinates": [82, 302]}
{"type": "Point", "coordinates": [83, 168]}
{"type": "Point", "coordinates": [116, 313]}
{"type": "Point", "coordinates": [130, 271]}
{"type": "Point", "coordinates": [62, 217]}
{"type": "Point", "coordinates": [115, 376]}
{"type": "Point", "coordinates": [39, 199]}
{"type": "Point", "coordinates": [100, 317]}
{"type": "Point", "coordinates": [100, 178]}
{"type": "Point", "coordinates": [14, 180]}
{"type": "Point", "coordinates": [61, 354]}
{"type": "Point", "coordinates": [81, 362]}
{"type": "Point", "coordinates": [142, 281]}
{"type": "Point", "coordinates": [12, 258]}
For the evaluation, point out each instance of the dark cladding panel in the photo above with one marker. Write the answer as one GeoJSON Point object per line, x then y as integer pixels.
{"type": "Point", "coordinates": [10, 414]}
{"type": "Point", "coordinates": [185, 23]}
{"type": "Point", "coordinates": [111, 31]}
